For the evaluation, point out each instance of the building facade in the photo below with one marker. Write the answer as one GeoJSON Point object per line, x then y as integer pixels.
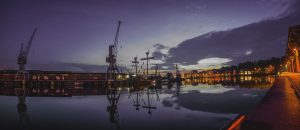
{"type": "Point", "coordinates": [292, 50]}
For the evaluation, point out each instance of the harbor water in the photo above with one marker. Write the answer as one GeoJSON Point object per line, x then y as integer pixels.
{"type": "Point", "coordinates": [208, 103]}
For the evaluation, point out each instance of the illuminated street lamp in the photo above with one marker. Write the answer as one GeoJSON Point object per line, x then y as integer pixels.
{"type": "Point", "coordinates": [119, 77]}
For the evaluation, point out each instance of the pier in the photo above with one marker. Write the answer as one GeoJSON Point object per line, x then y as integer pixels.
{"type": "Point", "coordinates": [279, 109]}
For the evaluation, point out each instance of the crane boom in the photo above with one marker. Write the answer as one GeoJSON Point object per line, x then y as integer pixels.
{"type": "Point", "coordinates": [29, 43]}
{"type": "Point", "coordinates": [111, 59]}
{"type": "Point", "coordinates": [116, 39]}
{"type": "Point", "coordinates": [22, 58]}
{"type": "Point", "coordinates": [21, 50]}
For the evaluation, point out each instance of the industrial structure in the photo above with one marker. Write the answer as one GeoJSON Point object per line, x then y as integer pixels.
{"type": "Point", "coordinates": [22, 111]}
{"type": "Point", "coordinates": [135, 62]}
{"type": "Point", "coordinates": [111, 59]}
{"type": "Point", "coordinates": [147, 58]}
{"type": "Point", "coordinates": [292, 50]}
{"type": "Point", "coordinates": [113, 96]}
{"type": "Point", "coordinates": [22, 74]}
{"type": "Point", "coordinates": [178, 75]}
{"type": "Point", "coordinates": [148, 105]}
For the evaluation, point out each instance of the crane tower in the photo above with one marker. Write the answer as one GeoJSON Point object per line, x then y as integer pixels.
{"type": "Point", "coordinates": [111, 59]}
{"type": "Point", "coordinates": [22, 74]}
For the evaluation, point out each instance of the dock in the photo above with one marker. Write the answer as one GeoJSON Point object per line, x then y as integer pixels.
{"type": "Point", "coordinates": [279, 109]}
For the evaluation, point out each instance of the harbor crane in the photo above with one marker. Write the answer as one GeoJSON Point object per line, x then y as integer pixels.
{"type": "Point", "coordinates": [156, 70]}
{"type": "Point", "coordinates": [178, 75]}
{"type": "Point", "coordinates": [177, 70]}
{"type": "Point", "coordinates": [111, 59]}
{"type": "Point", "coordinates": [147, 59]}
{"type": "Point", "coordinates": [135, 62]}
{"type": "Point", "coordinates": [22, 58]}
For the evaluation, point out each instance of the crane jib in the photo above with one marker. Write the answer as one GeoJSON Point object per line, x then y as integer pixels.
{"type": "Point", "coordinates": [116, 39]}
{"type": "Point", "coordinates": [29, 43]}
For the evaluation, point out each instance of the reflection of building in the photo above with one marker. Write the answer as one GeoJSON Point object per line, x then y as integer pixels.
{"type": "Point", "coordinates": [268, 70]}
{"type": "Point", "coordinates": [55, 83]}
{"type": "Point", "coordinates": [242, 81]}
{"type": "Point", "coordinates": [9, 75]}
{"type": "Point", "coordinates": [53, 75]}
{"type": "Point", "coordinates": [292, 50]}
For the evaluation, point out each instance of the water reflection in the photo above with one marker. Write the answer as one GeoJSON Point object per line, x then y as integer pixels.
{"type": "Point", "coordinates": [220, 94]}
{"type": "Point", "coordinates": [170, 84]}
{"type": "Point", "coordinates": [136, 96]}
{"type": "Point", "coordinates": [241, 81]}
{"type": "Point", "coordinates": [24, 121]}
{"type": "Point", "coordinates": [149, 102]}
{"type": "Point", "coordinates": [113, 96]}
{"type": "Point", "coordinates": [178, 85]}
{"type": "Point", "coordinates": [205, 103]}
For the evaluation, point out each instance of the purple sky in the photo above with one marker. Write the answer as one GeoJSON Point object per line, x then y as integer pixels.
{"type": "Point", "coordinates": [74, 35]}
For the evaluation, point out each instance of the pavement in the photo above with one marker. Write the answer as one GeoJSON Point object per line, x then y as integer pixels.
{"type": "Point", "coordinates": [279, 109]}
{"type": "Point", "coordinates": [294, 78]}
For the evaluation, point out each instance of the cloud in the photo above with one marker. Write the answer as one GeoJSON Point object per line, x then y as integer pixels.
{"type": "Point", "coordinates": [159, 46]}
{"type": "Point", "coordinates": [207, 62]}
{"type": "Point", "coordinates": [266, 39]}
{"type": "Point", "coordinates": [156, 61]}
{"type": "Point", "coordinates": [213, 61]}
{"type": "Point", "coordinates": [161, 52]}
{"type": "Point", "coordinates": [248, 52]}
{"type": "Point", "coordinates": [165, 67]}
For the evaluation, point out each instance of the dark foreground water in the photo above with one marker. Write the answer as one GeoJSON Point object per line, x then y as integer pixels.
{"type": "Point", "coordinates": [202, 104]}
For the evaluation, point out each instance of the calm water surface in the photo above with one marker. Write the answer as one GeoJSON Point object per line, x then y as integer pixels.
{"type": "Point", "coordinates": [199, 104]}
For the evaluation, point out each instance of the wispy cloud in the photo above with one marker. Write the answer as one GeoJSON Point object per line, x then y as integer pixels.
{"type": "Point", "coordinates": [259, 40]}
{"type": "Point", "coordinates": [208, 62]}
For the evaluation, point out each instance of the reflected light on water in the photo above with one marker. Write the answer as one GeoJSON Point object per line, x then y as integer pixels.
{"type": "Point", "coordinates": [206, 103]}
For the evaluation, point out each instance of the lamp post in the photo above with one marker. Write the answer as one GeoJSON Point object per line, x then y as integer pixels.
{"type": "Point", "coordinates": [297, 66]}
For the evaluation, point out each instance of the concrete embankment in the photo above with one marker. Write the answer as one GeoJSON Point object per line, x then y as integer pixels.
{"type": "Point", "coordinates": [279, 109]}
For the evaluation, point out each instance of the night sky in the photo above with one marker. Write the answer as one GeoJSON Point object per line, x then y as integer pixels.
{"type": "Point", "coordinates": [74, 35]}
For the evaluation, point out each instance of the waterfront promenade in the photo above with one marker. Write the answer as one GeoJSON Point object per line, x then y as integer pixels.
{"type": "Point", "coordinates": [280, 108]}
{"type": "Point", "coordinates": [294, 78]}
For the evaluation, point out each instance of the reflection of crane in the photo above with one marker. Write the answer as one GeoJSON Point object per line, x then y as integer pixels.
{"type": "Point", "coordinates": [113, 97]}
{"type": "Point", "coordinates": [22, 110]}
{"type": "Point", "coordinates": [136, 102]}
{"type": "Point", "coordinates": [148, 105]}
{"type": "Point", "coordinates": [178, 84]}
{"type": "Point", "coordinates": [22, 58]}
{"type": "Point", "coordinates": [111, 59]}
